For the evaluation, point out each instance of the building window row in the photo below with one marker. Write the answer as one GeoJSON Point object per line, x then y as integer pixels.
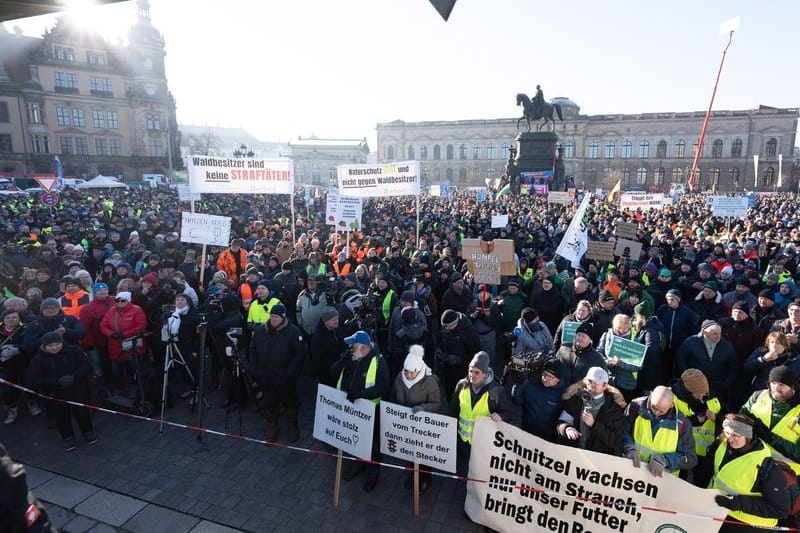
{"type": "Point", "coordinates": [66, 80]}
{"type": "Point", "coordinates": [73, 145]}
{"type": "Point", "coordinates": [104, 146]}
{"type": "Point", "coordinates": [64, 54]}
{"type": "Point", "coordinates": [5, 143]}
{"type": "Point", "coordinates": [70, 115]}
{"type": "Point", "coordinates": [153, 122]}
{"type": "Point", "coordinates": [40, 144]}
{"type": "Point", "coordinates": [100, 84]}
{"type": "Point", "coordinates": [95, 58]}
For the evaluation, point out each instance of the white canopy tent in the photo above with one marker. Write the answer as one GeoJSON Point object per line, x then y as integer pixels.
{"type": "Point", "coordinates": [101, 182]}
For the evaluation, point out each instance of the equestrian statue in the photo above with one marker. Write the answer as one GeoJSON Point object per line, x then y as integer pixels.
{"type": "Point", "coordinates": [538, 109]}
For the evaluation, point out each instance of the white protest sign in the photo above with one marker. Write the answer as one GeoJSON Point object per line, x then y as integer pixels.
{"type": "Point", "coordinates": [425, 438]}
{"type": "Point", "coordinates": [729, 206]}
{"type": "Point", "coordinates": [227, 175]}
{"type": "Point", "coordinates": [499, 221]}
{"type": "Point", "coordinates": [185, 193]}
{"type": "Point", "coordinates": [560, 197]}
{"type": "Point", "coordinates": [348, 213]}
{"type": "Point", "coordinates": [344, 424]}
{"type": "Point", "coordinates": [199, 228]}
{"type": "Point", "coordinates": [528, 484]}
{"type": "Point", "coordinates": [435, 190]}
{"type": "Point", "coordinates": [644, 201]}
{"type": "Point", "coordinates": [332, 202]}
{"type": "Point", "coordinates": [368, 181]}
{"type": "Point", "coordinates": [628, 248]}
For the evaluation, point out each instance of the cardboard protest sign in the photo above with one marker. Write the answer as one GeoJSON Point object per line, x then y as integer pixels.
{"type": "Point", "coordinates": [489, 260]}
{"type": "Point", "coordinates": [425, 438]}
{"type": "Point", "coordinates": [600, 250]}
{"type": "Point", "coordinates": [344, 424]}
{"type": "Point", "coordinates": [628, 249]}
{"type": "Point", "coordinates": [199, 228]}
{"type": "Point", "coordinates": [626, 230]}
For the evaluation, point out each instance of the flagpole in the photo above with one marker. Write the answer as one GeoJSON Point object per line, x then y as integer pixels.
{"type": "Point", "coordinates": [708, 113]}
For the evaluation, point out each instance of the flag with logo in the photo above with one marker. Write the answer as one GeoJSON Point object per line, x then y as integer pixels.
{"type": "Point", "coordinates": [576, 239]}
{"type": "Point", "coordinates": [59, 171]}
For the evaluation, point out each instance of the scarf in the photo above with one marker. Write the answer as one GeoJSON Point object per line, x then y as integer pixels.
{"type": "Point", "coordinates": [424, 371]}
{"type": "Point", "coordinates": [175, 320]}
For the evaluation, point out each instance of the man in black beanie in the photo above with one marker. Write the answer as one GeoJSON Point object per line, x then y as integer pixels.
{"type": "Point", "coordinates": [776, 411]}
{"type": "Point", "coordinates": [766, 313]}
{"type": "Point", "coordinates": [577, 359]}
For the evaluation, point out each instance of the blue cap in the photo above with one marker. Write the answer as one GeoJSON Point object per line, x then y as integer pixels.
{"type": "Point", "coordinates": [99, 286]}
{"type": "Point", "coordinates": [359, 337]}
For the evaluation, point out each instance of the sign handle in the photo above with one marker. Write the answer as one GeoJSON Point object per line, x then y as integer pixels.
{"type": "Point", "coordinates": [337, 481]}
{"type": "Point", "coordinates": [202, 268]}
{"type": "Point", "coordinates": [416, 489]}
{"type": "Point", "coordinates": [417, 241]}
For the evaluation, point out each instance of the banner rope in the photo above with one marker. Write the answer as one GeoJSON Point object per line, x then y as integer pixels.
{"type": "Point", "coordinates": [312, 451]}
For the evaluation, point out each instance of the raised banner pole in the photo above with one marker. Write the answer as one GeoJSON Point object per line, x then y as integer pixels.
{"type": "Point", "coordinates": [291, 201]}
{"type": "Point", "coordinates": [416, 489]}
{"type": "Point", "coordinates": [417, 242]}
{"type": "Point", "coordinates": [337, 481]}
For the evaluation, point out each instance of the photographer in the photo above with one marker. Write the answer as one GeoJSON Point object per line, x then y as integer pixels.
{"type": "Point", "coordinates": [181, 328]}
{"type": "Point", "coordinates": [455, 346]}
{"type": "Point", "coordinates": [224, 313]}
{"type": "Point", "coordinates": [327, 344]}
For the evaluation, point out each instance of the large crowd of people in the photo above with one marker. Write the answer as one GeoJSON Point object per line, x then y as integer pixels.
{"type": "Point", "coordinates": [101, 288]}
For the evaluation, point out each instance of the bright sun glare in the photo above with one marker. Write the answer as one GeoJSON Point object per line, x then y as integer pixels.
{"type": "Point", "coordinates": [108, 20]}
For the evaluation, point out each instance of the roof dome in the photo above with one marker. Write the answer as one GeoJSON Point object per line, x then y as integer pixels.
{"type": "Point", "coordinates": [570, 109]}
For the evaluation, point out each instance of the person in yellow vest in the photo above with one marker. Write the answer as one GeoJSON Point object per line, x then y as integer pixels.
{"type": "Point", "coordinates": [262, 304]}
{"type": "Point", "coordinates": [776, 412]}
{"type": "Point", "coordinates": [476, 395]}
{"type": "Point", "coordinates": [362, 372]}
{"type": "Point", "coordinates": [752, 486]}
{"type": "Point", "coordinates": [655, 432]}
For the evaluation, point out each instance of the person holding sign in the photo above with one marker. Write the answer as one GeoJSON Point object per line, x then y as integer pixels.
{"type": "Point", "coordinates": [476, 395]}
{"type": "Point", "coordinates": [363, 373]}
{"type": "Point", "coordinates": [622, 369]}
{"type": "Point", "coordinates": [416, 387]}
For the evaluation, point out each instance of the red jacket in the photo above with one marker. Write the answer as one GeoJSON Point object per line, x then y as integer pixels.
{"type": "Point", "coordinates": [91, 316]}
{"type": "Point", "coordinates": [130, 320]}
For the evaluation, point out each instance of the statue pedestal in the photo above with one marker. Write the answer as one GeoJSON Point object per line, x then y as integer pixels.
{"type": "Point", "coordinates": [536, 151]}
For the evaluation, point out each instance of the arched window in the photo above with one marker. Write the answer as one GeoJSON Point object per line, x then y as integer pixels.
{"type": "Point", "coordinates": [644, 149]}
{"type": "Point", "coordinates": [716, 149]}
{"type": "Point", "coordinates": [491, 152]}
{"type": "Point", "coordinates": [695, 147]}
{"type": "Point", "coordinates": [641, 176]}
{"type": "Point", "coordinates": [733, 175]}
{"type": "Point", "coordinates": [677, 175]}
{"type": "Point", "coordinates": [462, 175]}
{"type": "Point", "coordinates": [610, 149]}
{"type": "Point", "coordinates": [569, 150]}
{"type": "Point", "coordinates": [449, 152]}
{"type": "Point", "coordinates": [390, 152]}
{"type": "Point", "coordinates": [661, 149]}
{"type": "Point", "coordinates": [769, 176]}
{"type": "Point", "coordinates": [504, 151]}
{"type": "Point", "coordinates": [680, 149]}
{"type": "Point", "coordinates": [462, 151]}
{"type": "Point", "coordinates": [437, 152]}
{"type": "Point", "coordinates": [448, 174]}
{"type": "Point", "coordinates": [658, 179]}
{"type": "Point", "coordinates": [476, 151]}
{"type": "Point", "coordinates": [772, 147]}
{"type": "Point", "coordinates": [714, 177]}
{"type": "Point", "coordinates": [736, 148]}
{"type": "Point", "coordinates": [627, 149]}
{"type": "Point", "coordinates": [411, 154]}
{"type": "Point", "coordinates": [592, 150]}
{"type": "Point", "coordinates": [423, 151]}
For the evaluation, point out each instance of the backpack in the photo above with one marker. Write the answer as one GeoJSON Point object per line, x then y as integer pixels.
{"type": "Point", "coordinates": [793, 487]}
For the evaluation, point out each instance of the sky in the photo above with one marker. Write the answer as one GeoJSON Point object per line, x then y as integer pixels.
{"type": "Point", "coordinates": [283, 69]}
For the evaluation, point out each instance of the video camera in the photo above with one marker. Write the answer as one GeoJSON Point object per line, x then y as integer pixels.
{"type": "Point", "coordinates": [528, 364]}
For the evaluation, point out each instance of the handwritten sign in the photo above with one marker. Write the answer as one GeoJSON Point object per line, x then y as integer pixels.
{"type": "Point", "coordinates": [199, 228]}
{"type": "Point", "coordinates": [627, 350]}
{"type": "Point", "coordinates": [628, 249]}
{"type": "Point", "coordinates": [600, 250]}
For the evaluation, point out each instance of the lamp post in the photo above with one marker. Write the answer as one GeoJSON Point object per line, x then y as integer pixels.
{"type": "Point", "coordinates": [243, 151]}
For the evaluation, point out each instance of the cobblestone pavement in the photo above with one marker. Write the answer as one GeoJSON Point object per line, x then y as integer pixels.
{"type": "Point", "coordinates": [136, 479]}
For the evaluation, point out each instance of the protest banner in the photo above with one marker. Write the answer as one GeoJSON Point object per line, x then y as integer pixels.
{"type": "Point", "coordinates": [524, 483]}
{"type": "Point", "coordinates": [348, 213]}
{"type": "Point", "coordinates": [199, 228]}
{"type": "Point", "coordinates": [226, 175]}
{"type": "Point", "coordinates": [628, 249]}
{"type": "Point", "coordinates": [331, 204]}
{"type": "Point", "coordinates": [729, 206]}
{"type": "Point", "coordinates": [425, 438]}
{"type": "Point", "coordinates": [626, 230]}
{"type": "Point", "coordinates": [600, 250]}
{"type": "Point", "coordinates": [344, 424]}
{"type": "Point", "coordinates": [644, 202]}
{"type": "Point", "coordinates": [499, 221]}
{"type": "Point", "coordinates": [489, 260]}
{"type": "Point", "coordinates": [626, 350]}
{"type": "Point", "coordinates": [435, 190]}
{"type": "Point", "coordinates": [560, 197]}
{"type": "Point", "coordinates": [368, 181]}
{"type": "Point", "coordinates": [568, 332]}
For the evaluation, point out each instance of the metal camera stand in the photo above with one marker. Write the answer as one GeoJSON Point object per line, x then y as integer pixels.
{"type": "Point", "coordinates": [236, 373]}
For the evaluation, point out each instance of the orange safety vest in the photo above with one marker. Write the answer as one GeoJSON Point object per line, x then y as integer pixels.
{"type": "Point", "coordinates": [343, 271]}
{"type": "Point", "coordinates": [246, 293]}
{"type": "Point", "coordinates": [71, 304]}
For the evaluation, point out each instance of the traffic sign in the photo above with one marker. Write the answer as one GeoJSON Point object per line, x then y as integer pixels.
{"type": "Point", "coordinates": [46, 182]}
{"type": "Point", "coordinates": [49, 199]}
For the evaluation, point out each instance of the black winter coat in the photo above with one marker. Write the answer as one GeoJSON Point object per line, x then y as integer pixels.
{"type": "Point", "coordinates": [46, 369]}
{"type": "Point", "coordinates": [462, 341]}
{"type": "Point", "coordinates": [720, 369]}
{"type": "Point", "coordinates": [74, 330]}
{"type": "Point", "coordinates": [277, 354]}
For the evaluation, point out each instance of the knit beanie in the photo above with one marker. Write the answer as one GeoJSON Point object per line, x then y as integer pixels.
{"type": "Point", "coordinates": [449, 318]}
{"type": "Point", "coordinates": [480, 361]}
{"type": "Point", "coordinates": [694, 381]}
{"type": "Point", "coordinates": [783, 374]}
{"type": "Point", "coordinates": [741, 305]}
{"type": "Point", "coordinates": [51, 337]}
{"type": "Point", "coordinates": [641, 309]}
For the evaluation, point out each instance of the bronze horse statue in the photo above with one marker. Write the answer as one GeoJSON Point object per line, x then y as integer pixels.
{"type": "Point", "coordinates": [530, 112]}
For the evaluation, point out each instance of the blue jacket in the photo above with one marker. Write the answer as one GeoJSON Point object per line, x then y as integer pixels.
{"type": "Point", "coordinates": [678, 323]}
{"type": "Point", "coordinates": [540, 407]}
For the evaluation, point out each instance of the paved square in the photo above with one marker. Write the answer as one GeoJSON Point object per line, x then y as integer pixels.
{"type": "Point", "coordinates": [154, 519]}
{"type": "Point", "coordinates": [109, 507]}
{"type": "Point", "coordinates": [65, 492]}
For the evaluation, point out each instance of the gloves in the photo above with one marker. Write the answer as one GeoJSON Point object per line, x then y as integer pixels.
{"type": "Point", "coordinates": [417, 408]}
{"type": "Point", "coordinates": [453, 360]}
{"type": "Point", "coordinates": [352, 396]}
{"type": "Point", "coordinates": [656, 465]}
{"type": "Point", "coordinates": [8, 352]}
{"type": "Point", "coordinates": [117, 335]}
{"type": "Point", "coordinates": [635, 458]}
{"type": "Point", "coordinates": [66, 381]}
{"type": "Point", "coordinates": [728, 502]}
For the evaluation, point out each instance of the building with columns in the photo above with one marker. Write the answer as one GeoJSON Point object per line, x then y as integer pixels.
{"type": "Point", "coordinates": [101, 108]}
{"type": "Point", "coordinates": [647, 151]}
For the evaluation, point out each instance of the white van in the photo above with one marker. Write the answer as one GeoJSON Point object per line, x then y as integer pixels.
{"type": "Point", "coordinates": [72, 182]}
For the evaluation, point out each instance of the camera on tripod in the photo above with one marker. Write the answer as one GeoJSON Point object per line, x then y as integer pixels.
{"type": "Point", "coordinates": [527, 364]}
{"type": "Point", "coordinates": [233, 334]}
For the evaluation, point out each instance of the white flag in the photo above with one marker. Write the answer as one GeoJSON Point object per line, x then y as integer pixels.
{"type": "Point", "coordinates": [780, 170]}
{"type": "Point", "coordinates": [575, 241]}
{"type": "Point", "coordinates": [755, 171]}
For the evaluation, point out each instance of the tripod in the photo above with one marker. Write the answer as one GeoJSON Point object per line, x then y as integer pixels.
{"type": "Point", "coordinates": [172, 357]}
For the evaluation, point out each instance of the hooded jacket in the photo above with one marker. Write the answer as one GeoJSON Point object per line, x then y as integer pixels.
{"type": "Point", "coordinates": [605, 435]}
{"type": "Point", "coordinates": [277, 354]}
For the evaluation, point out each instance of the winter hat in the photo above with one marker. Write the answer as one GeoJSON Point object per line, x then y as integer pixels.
{"type": "Point", "coordinates": [264, 282]}
{"type": "Point", "coordinates": [552, 367]}
{"type": "Point", "coordinates": [695, 381]}
{"type": "Point", "coordinates": [49, 302]}
{"type": "Point", "coordinates": [529, 314]}
{"type": "Point", "coordinates": [727, 270]}
{"type": "Point", "coordinates": [513, 281]}
{"type": "Point", "coordinates": [480, 361]}
{"type": "Point", "coordinates": [99, 286]}
{"type": "Point", "coordinates": [711, 285]}
{"type": "Point", "coordinates": [151, 278]}
{"type": "Point", "coordinates": [407, 315]}
{"type": "Point", "coordinates": [585, 328]}
{"type": "Point", "coordinates": [51, 337]}
{"type": "Point", "coordinates": [278, 309]}
{"type": "Point", "coordinates": [768, 294]}
{"type": "Point", "coordinates": [124, 295]}
{"type": "Point", "coordinates": [605, 296]}
{"type": "Point", "coordinates": [456, 276]}
{"type": "Point", "coordinates": [407, 296]}
{"type": "Point", "coordinates": [708, 323]}
{"type": "Point", "coordinates": [414, 360]}
{"type": "Point", "coordinates": [675, 293]}
{"type": "Point", "coordinates": [741, 305]}
{"type": "Point", "coordinates": [328, 313]}
{"type": "Point", "coordinates": [783, 374]}
{"type": "Point", "coordinates": [665, 272]}
{"type": "Point", "coordinates": [449, 318]}
{"type": "Point", "coordinates": [597, 374]}
{"type": "Point", "coordinates": [641, 309]}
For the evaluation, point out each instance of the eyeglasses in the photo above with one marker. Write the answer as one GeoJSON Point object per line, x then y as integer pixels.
{"type": "Point", "coordinates": [118, 300]}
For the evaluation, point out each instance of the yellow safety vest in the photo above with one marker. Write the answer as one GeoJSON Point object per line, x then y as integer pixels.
{"type": "Point", "coordinates": [666, 440]}
{"type": "Point", "coordinates": [259, 313]}
{"type": "Point", "coordinates": [738, 477]}
{"type": "Point", "coordinates": [787, 427]}
{"type": "Point", "coordinates": [467, 413]}
{"type": "Point", "coordinates": [703, 434]}
{"type": "Point", "coordinates": [528, 274]}
{"type": "Point", "coordinates": [321, 270]}
{"type": "Point", "coordinates": [369, 380]}
{"type": "Point", "coordinates": [386, 306]}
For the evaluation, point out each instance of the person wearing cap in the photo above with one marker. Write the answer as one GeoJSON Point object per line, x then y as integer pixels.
{"type": "Point", "coordinates": [578, 358]}
{"type": "Point", "coordinates": [52, 318]}
{"type": "Point", "coordinates": [766, 313]}
{"type": "Point", "coordinates": [233, 261]}
{"type": "Point", "coordinates": [276, 356]}
{"type": "Point", "coordinates": [656, 433]}
{"type": "Point", "coordinates": [123, 321]}
{"type": "Point", "coordinates": [741, 291]}
{"type": "Point", "coordinates": [455, 344]}
{"type": "Point", "coordinates": [679, 323]}
{"type": "Point", "coordinates": [457, 296]}
{"type": "Point", "coordinates": [704, 412]}
{"type": "Point", "coordinates": [262, 304]}
{"type": "Point", "coordinates": [408, 326]}
{"type": "Point", "coordinates": [539, 396]}
{"type": "Point", "coordinates": [708, 303]}
{"type": "Point", "coordinates": [749, 481]}
{"type": "Point", "coordinates": [60, 370]}
{"type": "Point", "coordinates": [776, 411]}
{"type": "Point", "coordinates": [511, 302]}
{"type": "Point", "coordinates": [658, 287]}
{"type": "Point", "coordinates": [593, 416]}
{"type": "Point", "coordinates": [478, 394]}
{"type": "Point", "coordinates": [416, 386]}
{"type": "Point", "coordinates": [602, 314]}
{"type": "Point", "coordinates": [362, 372]}
{"type": "Point", "coordinates": [95, 343]}
{"type": "Point", "coordinates": [532, 335]}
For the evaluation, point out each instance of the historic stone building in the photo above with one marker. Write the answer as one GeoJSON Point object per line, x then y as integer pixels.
{"type": "Point", "coordinates": [647, 151]}
{"type": "Point", "coordinates": [101, 108]}
{"type": "Point", "coordinates": [315, 160]}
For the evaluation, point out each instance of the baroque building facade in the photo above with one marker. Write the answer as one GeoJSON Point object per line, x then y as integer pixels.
{"type": "Point", "coordinates": [101, 108]}
{"type": "Point", "coordinates": [315, 159]}
{"type": "Point", "coordinates": [647, 151]}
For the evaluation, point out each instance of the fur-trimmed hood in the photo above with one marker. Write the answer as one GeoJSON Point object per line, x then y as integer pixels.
{"type": "Point", "coordinates": [615, 393]}
{"type": "Point", "coordinates": [717, 297]}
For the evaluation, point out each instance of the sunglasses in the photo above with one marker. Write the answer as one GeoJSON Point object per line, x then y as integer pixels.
{"type": "Point", "coordinates": [118, 300]}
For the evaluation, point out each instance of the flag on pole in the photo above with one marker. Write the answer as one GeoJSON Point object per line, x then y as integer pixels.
{"type": "Point", "coordinates": [755, 171]}
{"type": "Point", "coordinates": [576, 239]}
{"type": "Point", "coordinates": [612, 196]}
{"type": "Point", "coordinates": [58, 172]}
{"type": "Point", "coordinates": [780, 170]}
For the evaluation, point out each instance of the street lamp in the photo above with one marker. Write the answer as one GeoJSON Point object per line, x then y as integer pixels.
{"type": "Point", "coordinates": [243, 151]}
